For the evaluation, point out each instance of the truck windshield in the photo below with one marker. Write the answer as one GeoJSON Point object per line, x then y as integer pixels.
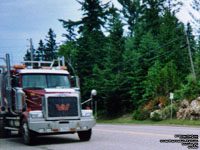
{"type": "Point", "coordinates": [41, 81]}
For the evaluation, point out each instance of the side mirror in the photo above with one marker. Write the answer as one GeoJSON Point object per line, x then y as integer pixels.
{"type": "Point", "coordinates": [93, 92]}
{"type": "Point", "coordinates": [75, 82]}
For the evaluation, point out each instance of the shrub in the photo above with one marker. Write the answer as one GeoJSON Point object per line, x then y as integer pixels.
{"type": "Point", "coordinates": [140, 114]}
{"type": "Point", "coordinates": [166, 112]}
{"type": "Point", "coordinates": [190, 90]}
{"type": "Point", "coordinates": [156, 117]}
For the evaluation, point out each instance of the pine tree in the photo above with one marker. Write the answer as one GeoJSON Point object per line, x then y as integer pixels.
{"type": "Point", "coordinates": [195, 23]}
{"type": "Point", "coordinates": [115, 45]}
{"type": "Point", "coordinates": [94, 15]}
{"type": "Point", "coordinates": [50, 52]}
{"type": "Point", "coordinates": [110, 77]}
{"type": "Point", "coordinates": [176, 41]}
{"type": "Point", "coordinates": [70, 29]}
{"type": "Point", "coordinates": [27, 56]}
{"type": "Point", "coordinates": [151, 15]}
{"type": "Point", "coordinates": [139, 65]}
{"type": "Point", "coordinates": [197, 58]}
{"type": "Point", "coordinates": [131, 10]}
{"type": "Point", "coordinates": [40, 51]}
{"type": "Point", "coordinates": [128, 71]}
{"type": "Point", "coordinates": [90, 44]}
{"type": "Point", "coordinates": [69, 51]}
{"type": "Point", "coordinates": [172, 64]}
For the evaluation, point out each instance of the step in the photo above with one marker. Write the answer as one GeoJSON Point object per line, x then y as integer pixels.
{"type": "Point", "coordinates": [13, 118]}
{"type": "Point", "coordinates": [11, 128]}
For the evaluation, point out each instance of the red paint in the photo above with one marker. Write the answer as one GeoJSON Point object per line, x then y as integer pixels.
{"type": "Point", "coordinates": [20, 80]}
{"type": "Point", "coordinates": [29, 109]}
{"type": "Point", "coordinates": [55, 130]}
{"type": "Point", "coordinates": [42, 92]}
{"type": "Point", "coordinates": [34, 102]}
{"type": "Point", "coordinates": [25, 114]}
{"type": "Point", "coordinates": [37, 92]}
{"type": "Point", "coordinates": [34, 99]}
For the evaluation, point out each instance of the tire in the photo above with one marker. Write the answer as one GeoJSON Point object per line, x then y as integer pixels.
{"type": "Point", "coordinates": [27, 135]}
{"type": "Point", "coordinates": [3, 132]}
{"type": "Point", "coordinates": [85, 135]}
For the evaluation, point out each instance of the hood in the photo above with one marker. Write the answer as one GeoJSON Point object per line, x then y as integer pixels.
{"type": "Point", "coordinates": [49, 91]}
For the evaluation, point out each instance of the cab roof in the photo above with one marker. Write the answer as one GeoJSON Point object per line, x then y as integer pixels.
{"type": "Point", "coordinates": [42, 71]}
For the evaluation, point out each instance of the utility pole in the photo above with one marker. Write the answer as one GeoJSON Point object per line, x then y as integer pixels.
{"type": "Point", "coordinates": [190, 55]}
{"type": "Point", "coordinates": [31, 49]}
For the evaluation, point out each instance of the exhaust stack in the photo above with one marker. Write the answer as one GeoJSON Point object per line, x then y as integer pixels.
{"type": "Point", "coordinates": [9, 86]}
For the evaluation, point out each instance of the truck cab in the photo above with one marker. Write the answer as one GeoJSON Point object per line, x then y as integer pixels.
{"type": "Point", "coordinates": [42, 101]}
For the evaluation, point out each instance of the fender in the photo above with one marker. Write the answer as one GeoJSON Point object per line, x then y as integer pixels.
{"type": "Point", "coordinates": [24, 115]}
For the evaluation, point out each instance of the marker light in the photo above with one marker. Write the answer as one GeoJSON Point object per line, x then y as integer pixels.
{"type": "Point", "coordinates": [19, 67]}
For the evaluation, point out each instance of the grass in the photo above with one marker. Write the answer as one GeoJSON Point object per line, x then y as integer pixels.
{"type": "Point", "coordinates": [163, 122]}
{"type": "Point", "coordinates": [128, 120]}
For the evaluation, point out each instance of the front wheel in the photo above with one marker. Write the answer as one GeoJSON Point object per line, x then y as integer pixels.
{"type": "Point", "coordinates": [85, 135]}
{"type": "Point", "coordinates": [4, 133]}
{"type": "Point", "coordinates": [27, 136]}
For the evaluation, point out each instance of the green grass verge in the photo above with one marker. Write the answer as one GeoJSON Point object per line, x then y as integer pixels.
{"type": "Point", "coordinates": [150, 122]}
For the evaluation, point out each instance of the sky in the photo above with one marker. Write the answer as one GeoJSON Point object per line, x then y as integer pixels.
{"type": "Point", "coordinates": [21, 20]}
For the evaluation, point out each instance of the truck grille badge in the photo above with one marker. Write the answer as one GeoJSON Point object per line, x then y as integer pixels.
{"type": "Point", "coordinates": [62, 107]}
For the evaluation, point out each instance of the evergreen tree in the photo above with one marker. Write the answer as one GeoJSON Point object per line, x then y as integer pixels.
{"type": "Point", "coordinates": [40, 51]}
{"type": "Point", "coordinates": [151, 15]}
{"type": "Point", "coordinates": [195, 7]}
{"type": "Point", "coordinates": [129, 71]}
{"type": "Point", "coordinates": [115, 45]}
{"type": "Point", "coordinates": [175, 41]}
{"type": "Point", "coordinates": [90, 49]}
{"type": "Point", "coordinates": [69, 48]}
{"type": "Point", "coordinates": [93, 18]}
{"type": "Point", "coordinates": [172, 65]}
{"type": "Point", "coordinates": [27, 56]}
{"type": "Point", "coordinates": [131, 10]}
{"type": "Point", "coordinates": [69, 51]}
{"type": "Point", "coordinates": [139, 65]}
{"type": "Point", "coordinates": [94, 15]}
{"type": "Point", "coordinates": [51, 47]}
{"type": "Point", "coordinates": [197, 59]}
{"type": "Point", "coordinates": [111, 77]}
{"type": "Point", "coordinates": [70, 28]}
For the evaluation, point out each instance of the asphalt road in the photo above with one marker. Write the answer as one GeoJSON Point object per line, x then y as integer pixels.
{"type": "Point", "coordinates": [110, 137]}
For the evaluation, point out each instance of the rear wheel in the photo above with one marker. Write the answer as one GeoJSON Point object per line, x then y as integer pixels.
{"type": "Point", "coordinates": [27, 135]}
{"type": "Point", "coordinates": [85, 135]}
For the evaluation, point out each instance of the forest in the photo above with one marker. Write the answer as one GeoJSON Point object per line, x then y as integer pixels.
{"type": "Point", "coordinates": [133, 56]}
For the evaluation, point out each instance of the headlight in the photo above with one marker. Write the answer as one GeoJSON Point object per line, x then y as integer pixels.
{"type": "Point", "coordinates": [87, 113]}
{"type": "Point", "coordinates": [36, 114]}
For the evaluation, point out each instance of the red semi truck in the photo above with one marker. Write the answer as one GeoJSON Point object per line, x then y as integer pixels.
{"type": "Point", "coordinates": [37, 100]}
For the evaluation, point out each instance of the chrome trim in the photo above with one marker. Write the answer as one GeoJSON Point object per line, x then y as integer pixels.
{"type": "Point", "coordinates": [46, 126]}
{"type": "Point", "coordinates": [45, 106]}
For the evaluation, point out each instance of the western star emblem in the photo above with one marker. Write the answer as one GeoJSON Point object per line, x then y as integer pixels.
{"type": "Point", "coordinates": [62, 107]}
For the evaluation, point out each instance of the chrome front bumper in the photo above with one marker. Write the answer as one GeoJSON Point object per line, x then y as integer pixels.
{"type": "Point", "coordinates": [42, 126]}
